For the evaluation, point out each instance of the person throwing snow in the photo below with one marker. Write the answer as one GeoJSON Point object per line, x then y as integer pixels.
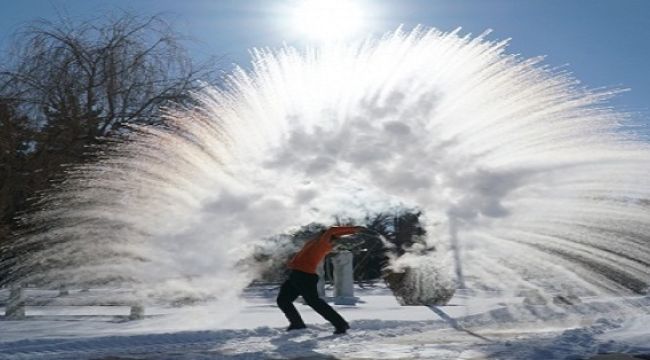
{"type": "Point", "coordinates": [303, 280]}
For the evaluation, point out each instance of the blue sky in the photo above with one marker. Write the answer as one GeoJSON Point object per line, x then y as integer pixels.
{"type": "Point", "coordinates": [602, 42]}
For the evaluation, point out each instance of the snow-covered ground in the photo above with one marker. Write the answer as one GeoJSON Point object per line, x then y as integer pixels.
{"type": "Point", "coordinates": [472, 326]}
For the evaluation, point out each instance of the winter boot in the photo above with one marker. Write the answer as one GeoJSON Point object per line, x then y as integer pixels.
{"type": "Point", "coordinates": [296, 327]}
{"type": "Point", "coordinates": [340, 330]}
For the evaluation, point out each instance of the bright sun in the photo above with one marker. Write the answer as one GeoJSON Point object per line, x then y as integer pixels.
{"type": "Point", "coordinates": [327, 19]}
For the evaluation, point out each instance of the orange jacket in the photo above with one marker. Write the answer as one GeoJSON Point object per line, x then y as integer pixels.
{"type": "Point", "coordinates": [313, 252]}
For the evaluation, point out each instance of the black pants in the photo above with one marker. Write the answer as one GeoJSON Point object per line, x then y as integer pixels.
{"type": "Point", "coordinates": [301, 283]}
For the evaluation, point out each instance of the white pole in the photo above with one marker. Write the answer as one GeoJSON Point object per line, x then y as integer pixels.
{"type": "Point", "coordinates": [344, 279]}
{"type": "Point", "coordinates": [455, 248]}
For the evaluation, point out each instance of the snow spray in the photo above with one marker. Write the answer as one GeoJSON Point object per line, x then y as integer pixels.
{"type": "Point", "coordinates": [525, 178]}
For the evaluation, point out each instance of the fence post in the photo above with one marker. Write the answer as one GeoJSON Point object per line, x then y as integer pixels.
{"type": "Point", "coordinates": [15, 309]}
{"type": "Point", "coordinates": [137, 312]}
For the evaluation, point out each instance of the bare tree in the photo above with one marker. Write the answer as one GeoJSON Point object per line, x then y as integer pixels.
{"type": "Point", "coordinates": [104, 73]}
{"type": "Point", "coordinates": [73, 83]}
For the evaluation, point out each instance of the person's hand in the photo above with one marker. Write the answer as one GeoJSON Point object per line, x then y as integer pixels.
{"type": "Point", "coordinates": [344, 230]}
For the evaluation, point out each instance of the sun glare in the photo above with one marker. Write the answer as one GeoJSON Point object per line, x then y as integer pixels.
{"type": "Point", "coordinates": [324, 20]}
